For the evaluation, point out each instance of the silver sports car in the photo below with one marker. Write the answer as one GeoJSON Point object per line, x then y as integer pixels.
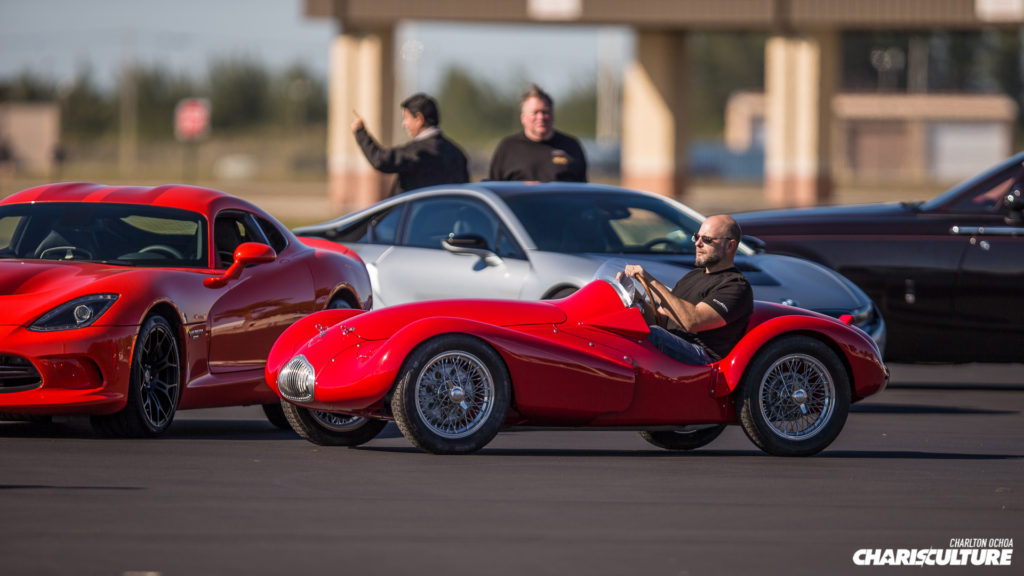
{"type": "Point", "coordinates": [541, 241]}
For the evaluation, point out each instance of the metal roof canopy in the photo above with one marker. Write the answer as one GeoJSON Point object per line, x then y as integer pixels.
{"type": "Point", "coordinates": [768, 15]}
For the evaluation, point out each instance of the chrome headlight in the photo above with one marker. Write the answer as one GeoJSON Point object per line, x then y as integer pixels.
{"type": "Point", "coordinates": [297, 380]}
{"type": "Point", "coordinates": [77, 313]}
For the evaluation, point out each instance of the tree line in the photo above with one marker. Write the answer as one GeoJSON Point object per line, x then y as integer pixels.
{"type": "Point", "coordinates": [245, 96]}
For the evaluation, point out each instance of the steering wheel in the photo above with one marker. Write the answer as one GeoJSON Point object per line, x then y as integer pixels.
{"type": "Point", "coordinates": [662, 240]}
{"type": "Point", "coordinates": [650, 298]}
{"type": "Point", "coordinates": [165, 249]}
{"type": "Point", "coordinates": [70, 253]}
{"type": "Point", "coordinates": [646, 302]}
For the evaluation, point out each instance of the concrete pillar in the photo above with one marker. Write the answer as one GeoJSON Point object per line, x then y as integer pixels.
{"type": "Point", "coordinates": [801, 73]}
{"type": "Point", "coordinates": [362, 79]}
{"type": "Point", "coordinates": [655, 105]}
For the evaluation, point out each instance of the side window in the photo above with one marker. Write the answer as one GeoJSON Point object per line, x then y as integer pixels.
{"type": "Point", "coordinates": [8, 226]}
{"type": "Point", "coordinates": [277, 240]}
{"type": "Point", "coordinates": [231, 229]}
{"type": "Point", "coordinates": [384, 228]}
{"type": "Point", "coordinates": [381, 228]}
{"type": "Point", "coordinates": [507, 246]}
{"type": "Point", "coordinates": [431, 221]}
{"type": "Point", "coordinates": [988, 195]}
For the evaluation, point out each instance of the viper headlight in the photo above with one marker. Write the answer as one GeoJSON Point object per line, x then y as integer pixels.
{"type": "Point", "coordinates": [77, 313]}
{"type": "Point", "coordinates": [297, 380]}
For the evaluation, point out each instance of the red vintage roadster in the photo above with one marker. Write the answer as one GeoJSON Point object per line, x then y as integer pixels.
{"type": "Point", "coordinates": [453, 373]}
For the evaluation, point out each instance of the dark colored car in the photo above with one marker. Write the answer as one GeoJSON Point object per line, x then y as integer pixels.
{"type": "Point", "coordinates": [948, 274]}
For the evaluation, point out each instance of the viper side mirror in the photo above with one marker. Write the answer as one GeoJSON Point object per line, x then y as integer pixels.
{"type": "Point", "coordinates": [247, 253]}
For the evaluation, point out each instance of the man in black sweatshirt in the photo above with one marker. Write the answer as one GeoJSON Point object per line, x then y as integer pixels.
{"type": "Point", "coordinates": [428, 159]}
{"type": "Point", "coordinates": [539, 153]}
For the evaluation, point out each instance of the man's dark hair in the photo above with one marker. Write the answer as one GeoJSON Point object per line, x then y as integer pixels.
{"type": "Point", "coordinates": [420, 103]}
{"type": "Point", "coordinates": [536, 92]}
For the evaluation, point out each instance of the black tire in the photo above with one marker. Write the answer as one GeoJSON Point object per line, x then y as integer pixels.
{"type": "Point", "coordinates": [275, 414]}
{"type": "Point", "coordinates": [155, 386]}
{"type": "Point", "coordinates": [339, 303]}
{"type": "Point", "coordinates": [562, 293]}
{"type": "Point", "coordinates": [330, 429]}
{"type": "Point", "coordinates": [794, 397]}
{"type": "Point", "coordinates": [690, 438]}
{"type": "Point", "coordinates": [452, 395]}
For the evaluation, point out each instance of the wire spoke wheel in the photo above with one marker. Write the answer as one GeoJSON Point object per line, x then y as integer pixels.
{"type": "Point", "coordinates": [454, 394]}
{"type": "Point", "coordinates": [794, 396]}
{"type": "Point", "coordinates": [797, 396]}
{"type": "Point", "coordinates": [687, 438]}
{"type": "Point", "coordinates": [331, 428]}
{"type": "Point", "coordinates": [337, 422]}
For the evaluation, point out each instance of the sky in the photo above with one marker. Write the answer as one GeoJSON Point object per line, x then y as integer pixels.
{"type": "Point", "coordinates": [56, 39]}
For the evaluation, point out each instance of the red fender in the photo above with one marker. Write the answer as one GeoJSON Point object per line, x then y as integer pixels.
{"type": "Point", "coordinates": [731, 368]}
{"type": "Point", "coordinates": [298, 335]}
{"type": "Point", "coordinates": [360, 376]}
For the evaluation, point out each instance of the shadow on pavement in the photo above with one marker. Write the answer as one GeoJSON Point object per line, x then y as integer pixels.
{"type": "Point", "coordinates": [878, 408]}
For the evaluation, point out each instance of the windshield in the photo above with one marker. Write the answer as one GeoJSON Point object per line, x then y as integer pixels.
{"type": "Point", "coordinates": [605, 223]}
{"type": "Point", "coordinates": [982, 192]}
{"type": "Point", "coordinates": [628, 289]}
{"type": "Point", "coordinates": [125, 234]}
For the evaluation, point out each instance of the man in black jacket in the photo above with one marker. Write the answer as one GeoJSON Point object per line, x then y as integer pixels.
{"type": "Point", "coordinates": [428, 159]}
{"type": "Point", "coordinates": [539, 153]}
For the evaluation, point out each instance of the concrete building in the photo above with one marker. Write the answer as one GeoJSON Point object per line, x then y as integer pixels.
{"type": "Point", "coordinates": [31, 131]}
{"type": "Point", "coordinates": [905, 138]}
{"type": "Point", "coordinates": [802, 61]}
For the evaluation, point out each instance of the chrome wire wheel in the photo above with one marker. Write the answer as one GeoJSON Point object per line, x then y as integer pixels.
{"type": "Point", "coordinates": [337, 422]}
{"type": "Point", "coordinates": [797, 396]}
{"type": "Point", "coordinates": [454, 394]}
{"type": "Point", "coordinates": [160, 377]}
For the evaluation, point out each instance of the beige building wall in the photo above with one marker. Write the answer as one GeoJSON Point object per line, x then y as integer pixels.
{"type": "Point", "coordinates": [800, 78]}
{"type": "Point", "coordinates": [892, 137]}
{"type": "Point", "coordinates": [31, 131]}
{"type": "Point", "coordinates": [361, 80]}
{"type": "Point", "coordinates": [654, 126]}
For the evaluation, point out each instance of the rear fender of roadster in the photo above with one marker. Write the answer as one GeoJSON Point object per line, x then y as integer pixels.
{"type": "Point", "coordinates": [855, 349]}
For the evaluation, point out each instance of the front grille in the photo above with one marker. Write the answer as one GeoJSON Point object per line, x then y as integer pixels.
{"type": "Point", "coordinates": [17, 374]}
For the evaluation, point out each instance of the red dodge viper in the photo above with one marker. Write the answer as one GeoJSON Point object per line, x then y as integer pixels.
{"type": "Point", "coordinates": [130, 303]}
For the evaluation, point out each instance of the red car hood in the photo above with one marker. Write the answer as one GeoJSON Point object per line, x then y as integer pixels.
{"type": "Point", "coordinates": [29, 288]}
{"type": "Point", "coordinates": [386, 321]}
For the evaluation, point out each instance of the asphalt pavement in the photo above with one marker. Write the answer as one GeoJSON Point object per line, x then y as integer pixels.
{"type": "Point", "coordinates": [935, 459]}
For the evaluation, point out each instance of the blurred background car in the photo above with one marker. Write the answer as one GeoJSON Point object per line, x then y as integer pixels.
{"type": "Point", "coordinates": [948, 274]}
{"type": "Point", "coordinates": [525, 241]}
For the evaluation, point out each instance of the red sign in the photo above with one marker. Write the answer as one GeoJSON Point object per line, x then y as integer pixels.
{"type": "Point", "coordinates": [192, 119]}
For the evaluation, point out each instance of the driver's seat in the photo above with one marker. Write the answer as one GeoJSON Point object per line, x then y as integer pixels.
{"type": "Point", "coordinates": [68, 237]}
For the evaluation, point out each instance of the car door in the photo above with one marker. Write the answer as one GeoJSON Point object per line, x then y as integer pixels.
{"type": "Point", "coordinates": [253, 310]}
{"type": "Point", "coordinates": [988, 310]}
{"type": "Point", "coordinates": [419, 267]}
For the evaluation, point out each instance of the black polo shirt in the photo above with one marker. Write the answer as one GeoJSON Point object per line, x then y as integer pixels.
{"type": "Point", "coordinates": [729, 293]}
